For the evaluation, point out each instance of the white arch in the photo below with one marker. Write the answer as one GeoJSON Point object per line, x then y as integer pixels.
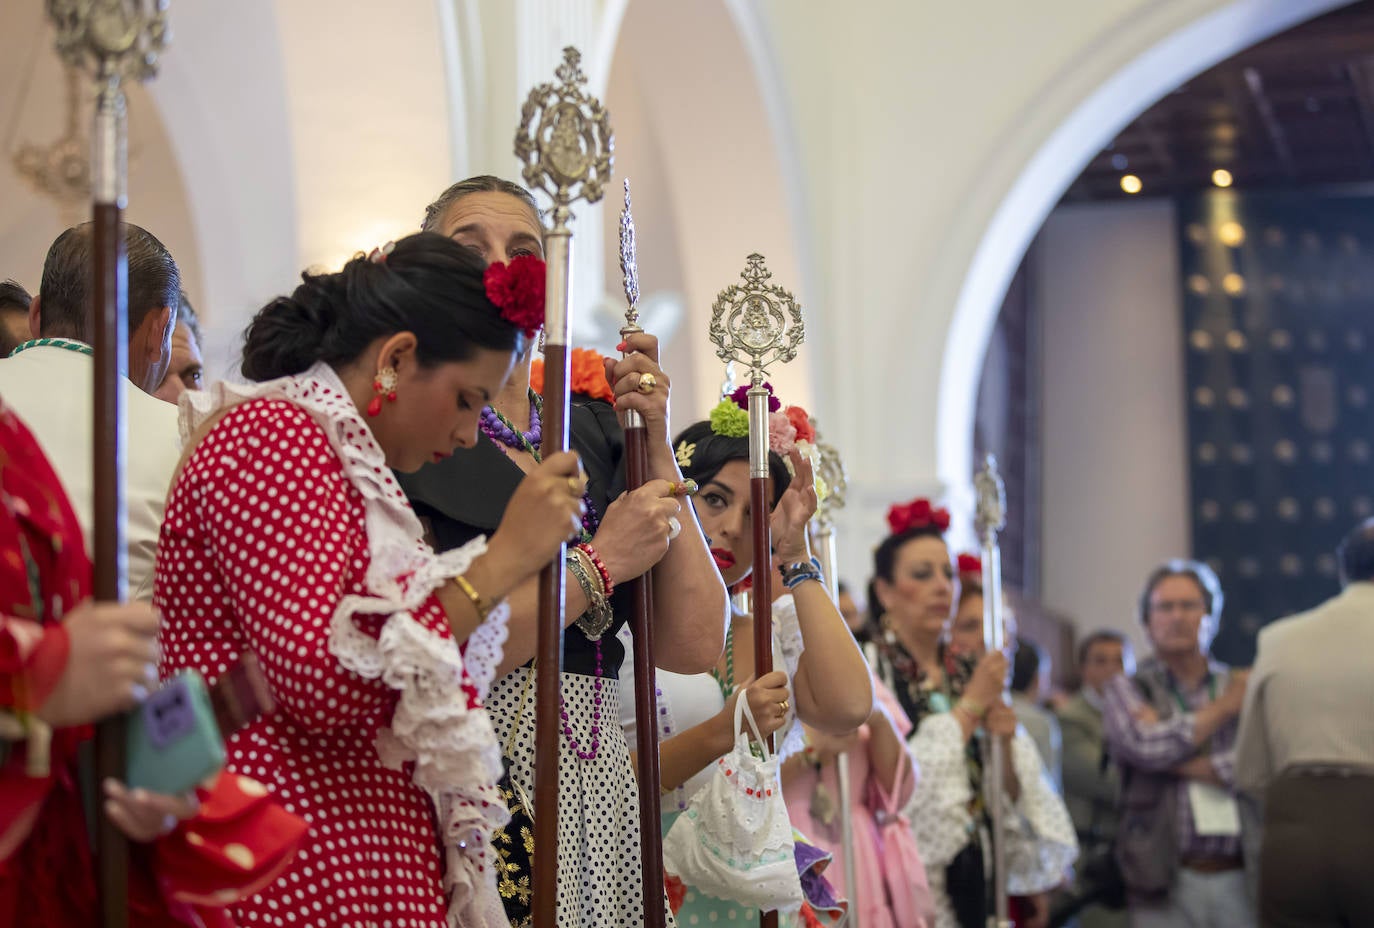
{"type": "Point", "coordinates": [1115, 80]}
{"type": "Point", "coordinates": [220, 96]}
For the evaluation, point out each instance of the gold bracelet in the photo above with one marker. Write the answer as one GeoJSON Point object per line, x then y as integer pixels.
{"type": "Point", "coordinates": [481, 605]}
{"type": "Point", "coordinates": [975, 710]}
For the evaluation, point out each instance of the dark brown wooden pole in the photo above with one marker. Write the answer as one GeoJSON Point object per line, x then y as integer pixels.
{"type": "Point", "coordinates": [548, 664]}
{"type": "Point", "coordinates": [109, 315]}
{"type": "Point", "coordinates": [646, 703]}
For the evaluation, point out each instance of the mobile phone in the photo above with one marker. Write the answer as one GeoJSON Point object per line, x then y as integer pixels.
{"type": "Point", "coordinates": [174, 741]}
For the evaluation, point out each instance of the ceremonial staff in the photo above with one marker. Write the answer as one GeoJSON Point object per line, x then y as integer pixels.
{"type": "Point", "coordinates": [831, 471]}
{"type": "Point", "coordinates": [992, 516]}
{"type": "Point", "coordinates": [641, 622]}
{"type": "Point", "coordinates": [113, 40]}
{"type": "Point", "coordinates": [756, 325]}
{"type": "Point", "coordinates": [565, 141]}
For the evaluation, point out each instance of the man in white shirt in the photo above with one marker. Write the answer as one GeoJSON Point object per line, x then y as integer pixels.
{"type": "Point", "coordinates": [49, 382]}
{"type": "Point", "coordinates": [1306, 746]}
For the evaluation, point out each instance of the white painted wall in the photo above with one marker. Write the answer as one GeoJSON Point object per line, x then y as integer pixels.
{"type": "Point", "coordinates": [1106, 280]}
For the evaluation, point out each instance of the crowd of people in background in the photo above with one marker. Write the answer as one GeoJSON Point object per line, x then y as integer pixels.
{"type": "Point", "coordinates": [365, 518]}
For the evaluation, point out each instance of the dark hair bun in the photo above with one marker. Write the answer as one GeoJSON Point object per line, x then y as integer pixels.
{"type": "Point", "coordinates": [287, 336]}
{"type": "Point", "coordinates": [427, 284]}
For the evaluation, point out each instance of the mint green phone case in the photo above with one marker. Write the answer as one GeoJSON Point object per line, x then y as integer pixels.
{"type": "Point", "coordinates": [173, 739]}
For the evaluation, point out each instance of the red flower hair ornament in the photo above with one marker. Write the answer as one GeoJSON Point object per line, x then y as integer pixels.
{"type": "Point", "coordinates": [917, 514]}
{"type": "Point", "coordinates": [517, 289]}
{"type": "Point", "coordinates": [970, 564]}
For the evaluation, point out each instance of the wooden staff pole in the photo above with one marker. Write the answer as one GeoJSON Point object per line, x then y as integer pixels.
{"type": "Point", "coordinates": [641, 620]}
{"type": "Point", "coordinates": [113, 40]}
{"type": "Point", "coordinates": [565, 140]}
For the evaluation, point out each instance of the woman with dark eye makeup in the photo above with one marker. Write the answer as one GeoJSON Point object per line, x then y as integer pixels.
{"type": "Point", "coordinates": [955, 703]}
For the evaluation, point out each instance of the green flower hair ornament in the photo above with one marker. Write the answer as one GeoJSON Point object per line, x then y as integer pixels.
{"type": "Point", "coordinates": [729, 421]}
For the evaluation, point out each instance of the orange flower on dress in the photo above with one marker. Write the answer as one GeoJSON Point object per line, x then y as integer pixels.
{"type": "Point", "coordinates": [588, 375]}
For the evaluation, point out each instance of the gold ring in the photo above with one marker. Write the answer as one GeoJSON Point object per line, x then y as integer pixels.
{"type": "Point", "coordinates": [784, 706]}
{"type": "Point", "coordinates": [647, 383]}
{"type": "Point", "coordinates": [575, 484]}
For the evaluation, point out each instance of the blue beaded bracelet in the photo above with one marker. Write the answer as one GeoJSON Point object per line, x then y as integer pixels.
{"type": "Point", "coordinates": [800, 572]}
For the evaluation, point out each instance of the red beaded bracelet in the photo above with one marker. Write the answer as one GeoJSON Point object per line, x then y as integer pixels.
{"type": "Point", "coordinates": [600, 566]}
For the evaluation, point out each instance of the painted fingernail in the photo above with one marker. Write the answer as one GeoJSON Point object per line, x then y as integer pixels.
{"type": "Point", "coordinates": [622, 346]}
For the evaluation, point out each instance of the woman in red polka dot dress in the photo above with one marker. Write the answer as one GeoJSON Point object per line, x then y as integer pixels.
{"type": "Point", "coordinates": [286, 535]}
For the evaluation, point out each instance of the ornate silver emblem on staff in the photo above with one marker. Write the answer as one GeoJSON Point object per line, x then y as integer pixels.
{"type": "Point", "coordinates": [757, 324]}
{"type": "Point", "coordinates": [113, 40]}
{"type": "Point", "coordinates": [565, 142]}
{"type": "Point", "coordinates": [991, 518]}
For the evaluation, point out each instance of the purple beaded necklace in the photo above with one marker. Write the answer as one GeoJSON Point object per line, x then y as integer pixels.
{"type": "Point", "coordinates": [504, 433]}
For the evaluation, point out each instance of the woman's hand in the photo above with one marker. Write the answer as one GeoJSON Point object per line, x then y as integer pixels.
{"type": "Point", "coordinates": [767, 695]}
{"type": "Point", "coordinates": [545, 511]}
{"type": "Point", "coordinates": [988, 680]}
{"type": "Point", "coordinates": [793, 512]}
{"type": "Point", "coordinates": [827, 747]}
{"type": "Point", "coordinates": [111, 666]}
{"type": "Point", "coordinates": [145, 816]}
{"type": "Point", "coordinates": [635, 532]}
{"type": "Point", "coordinates": [1000, 721]}
{"type": "Point", "coordinates": [625, 376]}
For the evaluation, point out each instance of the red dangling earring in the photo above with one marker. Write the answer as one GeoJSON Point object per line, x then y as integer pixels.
{"type": "Point", "coordinates": [384, 382]}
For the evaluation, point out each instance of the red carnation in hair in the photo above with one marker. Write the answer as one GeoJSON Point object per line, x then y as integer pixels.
{"type": "Point", "coordinates": [917, 514]}
{"type": "Point", "coordinates": [801, 421]}
{"type": "Point", "coordinates": [970, 564]}
{"type": "Point", "coordinates": [517, 289]}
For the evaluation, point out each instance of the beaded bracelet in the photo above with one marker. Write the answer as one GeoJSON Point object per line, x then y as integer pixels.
{"type": "Point", "coordinates": [795, 574]}
{"type": "Point", "coordinates": [607, 584]}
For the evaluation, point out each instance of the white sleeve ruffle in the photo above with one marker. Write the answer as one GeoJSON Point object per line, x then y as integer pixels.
{"type": "Point", "coordinates": [938, 807]}
{"type": "Point", "coordinates": [1041, 843]}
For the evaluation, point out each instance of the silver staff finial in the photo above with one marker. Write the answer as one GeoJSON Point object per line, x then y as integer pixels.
{"type": "Point", "coordinates": [831, 471]}
{"type": "Point", "coordinates": [629, 264]}
{"type": "Point", "coordinates": [992, 500]}
{"type": "Point", "coordinates": [111, 38]}
{"type": "Point", "coordinates": [565, 140]}
{"type": "Point", "coordinates": [758, 323]}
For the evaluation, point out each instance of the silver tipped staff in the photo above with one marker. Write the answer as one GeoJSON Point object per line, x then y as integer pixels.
{"type": "Point", "coordinates": [757, 324]}
{"type": "Point", "coordinates": [991, 517]}
{"type": "Point", "coordinates": [831, 471]}
{"type": "Point", "coordinates": [114, 41]}
{"type": "Point", "coordinates": [642, 605]}
{"type": "Point", "coordinates": [565, 142]}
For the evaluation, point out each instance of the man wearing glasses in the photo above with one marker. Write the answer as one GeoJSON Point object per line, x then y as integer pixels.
{"type": "Point", "coordinates": [1172, 730]}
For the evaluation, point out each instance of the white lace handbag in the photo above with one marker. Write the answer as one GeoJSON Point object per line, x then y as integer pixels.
{"type": "Point", "coordinates": [734, 840]}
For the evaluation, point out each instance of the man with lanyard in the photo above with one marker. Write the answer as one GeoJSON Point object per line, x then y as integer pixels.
{"type": "Point", "coordinates": [48, 381]}
{"type": "Point", "coordinates": [1172, 730]}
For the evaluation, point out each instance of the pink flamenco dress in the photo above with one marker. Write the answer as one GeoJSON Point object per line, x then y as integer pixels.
{"type": "Point", "coordinates": [892, 891]}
